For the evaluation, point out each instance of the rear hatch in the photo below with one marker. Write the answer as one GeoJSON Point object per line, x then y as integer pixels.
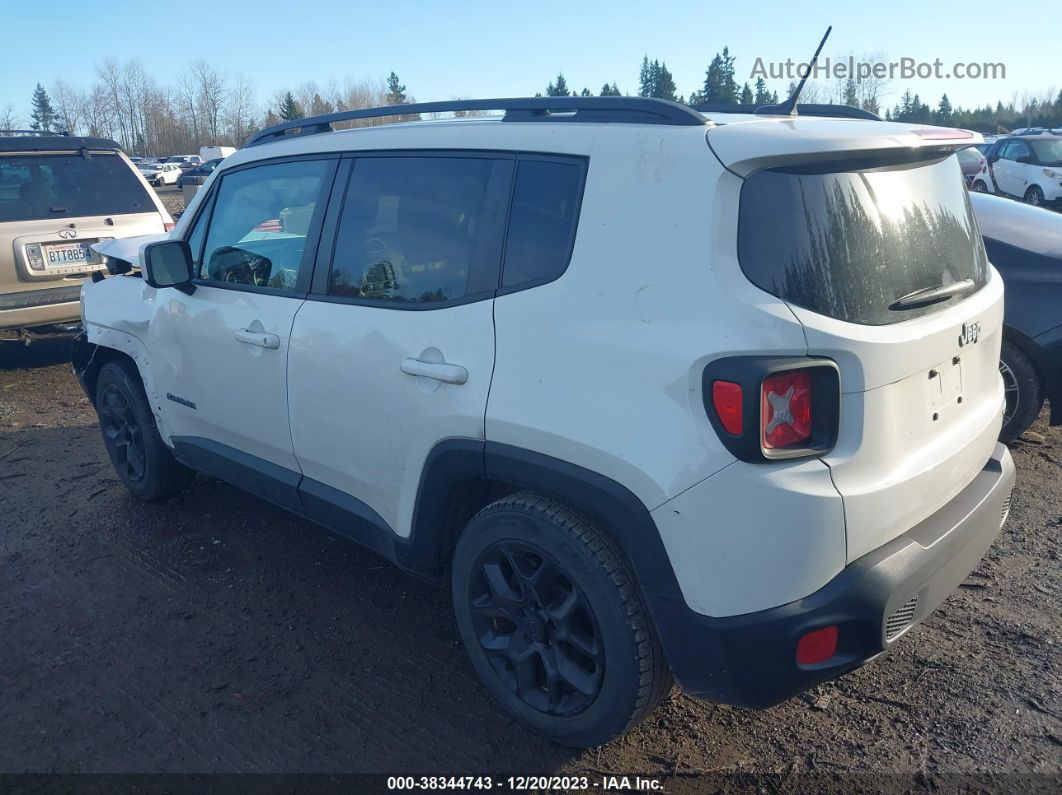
{"type": "Point", "coordinates": [55, 205]}
{"type": "Point", "coordinates": [870, 240]}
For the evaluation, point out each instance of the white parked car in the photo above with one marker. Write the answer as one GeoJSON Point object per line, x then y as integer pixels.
{"type": "Point", "coordinates": [662, 395]}
{"type": "Point", "coordinates": [159, 174]}
{"type": "Point", "coordinates": [1023, 167]}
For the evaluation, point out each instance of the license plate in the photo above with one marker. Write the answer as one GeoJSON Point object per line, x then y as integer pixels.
{"type": "Point", "coordinates": [68, 257]}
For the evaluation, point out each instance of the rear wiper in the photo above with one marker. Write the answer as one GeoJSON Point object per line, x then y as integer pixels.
{"type": "Point", "coordinates": [932, 295]}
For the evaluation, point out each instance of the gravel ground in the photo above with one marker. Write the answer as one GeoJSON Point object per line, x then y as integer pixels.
{"type": "Point", "coordinates": [215, 633]}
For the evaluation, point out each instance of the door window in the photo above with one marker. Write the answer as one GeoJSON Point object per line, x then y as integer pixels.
{"type": "Point", "coordinates": [260, 223]}
{"type": "Point", "coordinates": [421, 230]}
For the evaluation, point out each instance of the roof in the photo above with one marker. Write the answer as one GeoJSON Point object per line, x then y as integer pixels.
{"type": "Point", "coordinates": [52, 143]}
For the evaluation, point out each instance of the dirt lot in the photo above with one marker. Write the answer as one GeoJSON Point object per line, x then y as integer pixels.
{"type": "Point", "coordinates": [216, 633]}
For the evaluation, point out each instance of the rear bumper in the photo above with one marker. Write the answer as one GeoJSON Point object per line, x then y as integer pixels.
{"type": "Point", "coordinates": [48, 306]}
{"type": "Point", "coordinates": [749, 660]}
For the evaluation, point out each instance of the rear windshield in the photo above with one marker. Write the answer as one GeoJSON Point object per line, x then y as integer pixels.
{"type": "Point", "coordinates": [33, 187]}
{"type": "Point", "coordinates": [849, 243]}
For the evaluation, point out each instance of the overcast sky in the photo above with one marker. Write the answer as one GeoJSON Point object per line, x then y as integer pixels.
{"type": "Point", "coordinates": [483, 49]}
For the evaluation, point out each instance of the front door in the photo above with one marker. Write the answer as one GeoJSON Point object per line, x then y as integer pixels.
{"type": "Point", "coordinates": [219, 355]}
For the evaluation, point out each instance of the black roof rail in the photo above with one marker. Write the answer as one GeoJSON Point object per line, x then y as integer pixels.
{"type": "Point", "coordinates": [34, 132]}
{"type": "Point", "coordinates": [637, 110]}
{"type": "Point", "coordinates": [813, 109]}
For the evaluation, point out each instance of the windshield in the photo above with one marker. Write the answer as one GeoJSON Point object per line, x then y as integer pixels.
{"type": "Point", "coordinates": [64, 186]}
{"type": "Point", "coordinates": [848, 244]}
{"type": "Point", "coordinates": [1048, 152]}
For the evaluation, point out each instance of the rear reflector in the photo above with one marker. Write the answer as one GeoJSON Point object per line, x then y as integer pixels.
{"type": "Point", "coordinates": [168, 225]}
{"type": "Point", "coordinates": [726, 399]}
{"type": "Point", "coordinates": [817, 646]}
{"type": "Point", "coordinates": [785, 409]}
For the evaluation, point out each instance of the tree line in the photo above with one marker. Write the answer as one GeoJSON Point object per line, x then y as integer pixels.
{"type": "Point", "coordinates": [207, 106]}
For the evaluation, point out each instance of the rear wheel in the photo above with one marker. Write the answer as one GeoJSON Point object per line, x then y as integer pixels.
{"type": "Point", "coordinates": [979, 186]}
{"type": "Point", "coordinates": [553, 622]}
{"type": "Point", "coordinates": [1021, 389]}
{"type": "Point", "coordinates": [1034, 196]}
{"type": "Point", "coordinates": [140, 458]}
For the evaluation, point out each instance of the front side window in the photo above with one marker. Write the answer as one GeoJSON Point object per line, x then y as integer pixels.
{"type": "Point", "coordinates": [420, 230]}
{"type": "Point", "coordinates": [542, 221]}
{"type": "Point", "coordinates": [260, 222]}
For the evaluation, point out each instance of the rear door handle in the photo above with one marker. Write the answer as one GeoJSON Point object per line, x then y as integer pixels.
{"type": "Point", "coordinates": [263, 339]}
{"type": "Point", "coordinates": [440, 371]}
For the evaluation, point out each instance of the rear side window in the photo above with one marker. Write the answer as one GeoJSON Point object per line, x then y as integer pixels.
{"type": "Point", "coordinates": [848, 244]}
{"type": "Point", "coordinates": [542, 221]}
{"type": "Point", "coordinates": [61, 186]}
{"type": "Point", "coordinates": [420, 230]}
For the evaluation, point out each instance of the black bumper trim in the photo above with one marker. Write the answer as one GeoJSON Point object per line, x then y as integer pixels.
{"type": "Point", "coordinates": [34, 298]}
{"type": "Point", "coordinates": [749, 660]}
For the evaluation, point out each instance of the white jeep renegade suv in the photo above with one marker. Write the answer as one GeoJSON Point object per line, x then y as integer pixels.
{"type": "Point", "coordinates": [663, 395]}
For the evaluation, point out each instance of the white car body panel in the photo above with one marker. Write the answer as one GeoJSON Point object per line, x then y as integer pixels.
{"type": "Point", "coordinates": [348, 358]}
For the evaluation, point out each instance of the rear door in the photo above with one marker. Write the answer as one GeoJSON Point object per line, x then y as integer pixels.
{"type": "Point", "coordinates": [848, 248]}
{"type": "Point", "coordinates": [394, 350]}
{"type": "Point", "coordinates": [219, 356]}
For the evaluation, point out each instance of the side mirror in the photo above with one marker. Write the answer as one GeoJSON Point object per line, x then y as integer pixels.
{"type": "Point", "coordinates": [1025, 159]}
{"type": "Point", "coordinates": [168, 263]}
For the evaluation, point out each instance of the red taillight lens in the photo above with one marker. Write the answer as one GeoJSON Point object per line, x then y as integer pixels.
{"type": "Point", "coordinates": [817, 646]}
{"type": "Point", "coordinates": [785, 409]}
{"type": "Point", "coordinates": [726, 399]}
{"type": "Point", "coordinates": [168, 225]}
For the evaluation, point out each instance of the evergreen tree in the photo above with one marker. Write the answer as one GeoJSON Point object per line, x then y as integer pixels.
{"type": "Point", "coordinates": [396, 92]}
{"type": "Point", "coordinates": [646, 83]}
{"type": "Point", "coordinates": [585, 93]}
{"type": "Point", "coordinates": [850, 95]}
{"type": "Point", "coordinates": [719, 83]}
{"type": "Point", "coordinates": [558, 89]}
{"type": "Point", "coordinates": [610, 91]}
{"type": "Point", "coordinates": [43, 115]}
{"type": "Point", "coordinates": [665, 83]}
{"type": "Point", "coordinates": [289, 109]}
{"type": "Point", "coordinates": [944, 111]}
{"type": "Point", "coordinates": [746, 95]}
{"type": "Point", "coordinates": [761, 96]}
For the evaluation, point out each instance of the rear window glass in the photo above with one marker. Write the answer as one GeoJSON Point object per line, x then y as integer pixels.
{"type": "Point", "coordinates": [33, 187]}
{"type": "Point", "coordinates": [848, 244]}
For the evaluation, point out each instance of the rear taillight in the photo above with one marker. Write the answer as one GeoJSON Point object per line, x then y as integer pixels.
{"type": "Point", "coordinates": [168, 225]}
{"type": "Point", "coordinates": [765, 408]}
{"type": "Point", "coordinates": [785, 410]}
{"type": "Point", "coordinates": [726, 399]}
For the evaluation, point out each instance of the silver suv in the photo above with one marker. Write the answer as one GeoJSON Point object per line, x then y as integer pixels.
{"type": "Point", "coordinates": [58, 195]}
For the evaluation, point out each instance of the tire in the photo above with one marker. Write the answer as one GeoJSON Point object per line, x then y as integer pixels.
{"type": "Point", "coordinates": [537, 583]}
{"type": "Point", "coordinates": [1034, 196]}
{"type": "Point", "coordinates": [1022, 389]}
{"type": "Point", "coordinates": [979, 186]}
{"type": "Point", "coordinates": [140, 458]}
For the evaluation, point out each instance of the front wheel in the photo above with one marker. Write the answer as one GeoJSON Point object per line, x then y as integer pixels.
{"type": "Point", "coordinates": [553, 621]}
{"type": "Point", "coordinates": [1021, 390]}
{"type": "Point", "coordinates": [1034, 196]}
{"type": "Point", "coordinates": [140, 458]}
{"type": "Point", "coordinates": [979, 186]}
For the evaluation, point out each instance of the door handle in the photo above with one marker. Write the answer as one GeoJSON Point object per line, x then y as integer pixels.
{"type": "Point", "coordinates": [263, 339]}
{"type": "Point", "coordinates": [440, 371]}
